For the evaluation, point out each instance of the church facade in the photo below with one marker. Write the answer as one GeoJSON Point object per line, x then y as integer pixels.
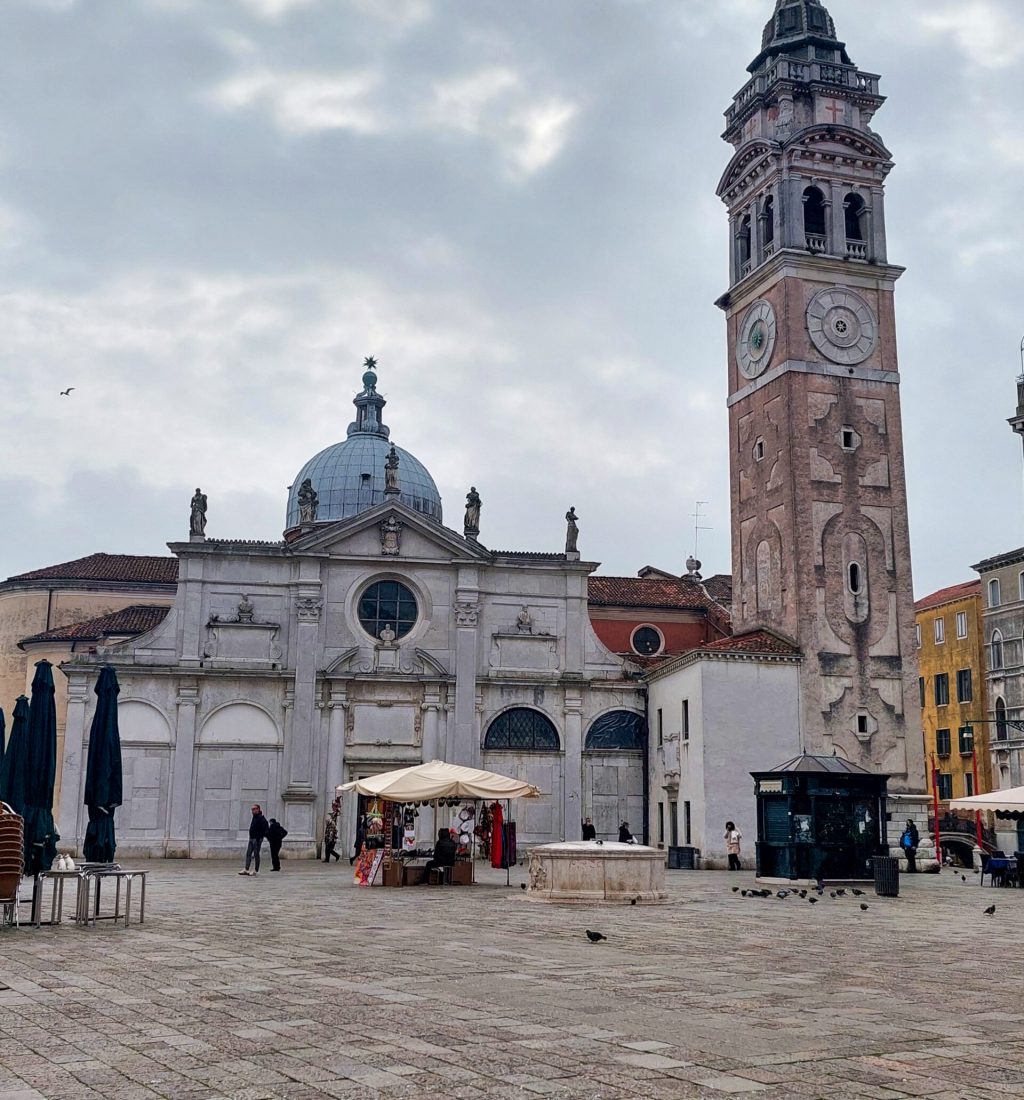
{"type": "Point", "coordinates": [371, 637]}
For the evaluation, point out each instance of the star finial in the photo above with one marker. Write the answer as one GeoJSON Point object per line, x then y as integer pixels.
{"type": "Point", "coordinates": [370, 363]}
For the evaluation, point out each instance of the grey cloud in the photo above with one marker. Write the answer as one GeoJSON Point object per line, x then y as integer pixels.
{"type": "Point", "coordinates": [545, 326]}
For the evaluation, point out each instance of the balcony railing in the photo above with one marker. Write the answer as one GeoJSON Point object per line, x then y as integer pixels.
{"type": "Point", "coordinates": [802, 73]}
{"type": "Point", "coordinates": [769, 249]}
{"type": "Point", "coordinates": [816, 243]}
{"type": "Point", "coordinates": [746, 267]}
{"type": "Point", "coordinates": [857, 250]}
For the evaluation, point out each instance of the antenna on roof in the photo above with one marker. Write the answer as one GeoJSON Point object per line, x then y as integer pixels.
{"type": "Point", "coordinates": [697, 528]}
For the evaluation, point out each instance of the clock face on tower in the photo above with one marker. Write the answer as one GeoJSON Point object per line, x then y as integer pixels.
{"type": "Point", "coordinates": [842, 326]}
{"type": "Point", "coordinates": [756, 340]}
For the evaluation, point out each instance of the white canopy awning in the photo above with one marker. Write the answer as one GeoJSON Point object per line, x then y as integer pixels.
{"type": "Point", "coordinates": [425, 782]}
{"type": "Point", "coordinates": [1010, 800]}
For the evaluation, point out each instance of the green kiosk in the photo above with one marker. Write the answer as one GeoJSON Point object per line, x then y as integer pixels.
{"type": "Point", "coordinates": [819, 817]}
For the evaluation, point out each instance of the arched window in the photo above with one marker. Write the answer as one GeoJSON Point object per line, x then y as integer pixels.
{"type": "Point", "coordinates": [743, 244]}
{"type": "Point", "coordinates": [993, 592]}
{"type": "Point", "coordinates": [1020, 586]}
{"type": "Point", "coordinates": [769, 224]}
{"type": "Point", "coordinates": [1002, 732]}
{"type": "Point", "coordinates": [997, 650]}
{"type": "Point", "coordinates": [763, 571]}
{"type": "Point", "coordinates": [522, 729]}
{"type": "Point", "coordinates": [856, 578]}
{"type": "Point", "coordinates": [814, 219]}
{"type": "Point", "coordinates": [856, 215]}
{"type": "Point", "coordinates": [619, 730]}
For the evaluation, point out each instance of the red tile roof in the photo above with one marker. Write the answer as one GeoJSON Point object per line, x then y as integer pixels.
{"type": "Point", "coordinates": [948, 595]}
{"type": "Point", "coordinates": [678, 592]}
{"type": "Point", "coordinates": [123, 568]}
{"type": "Point", "coordinates": [755, 641]}
{"type": "Point", "coordinates": [136, 619]}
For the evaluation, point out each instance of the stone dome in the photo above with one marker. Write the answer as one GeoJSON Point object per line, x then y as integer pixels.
{"type": "Point", "coordinates": [796, 28]}
{"type": "Point", "coordinates": [349, 476]}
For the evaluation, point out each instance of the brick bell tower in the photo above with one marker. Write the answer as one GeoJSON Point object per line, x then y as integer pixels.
{"type": "Point", "coordinates": [819, 504]}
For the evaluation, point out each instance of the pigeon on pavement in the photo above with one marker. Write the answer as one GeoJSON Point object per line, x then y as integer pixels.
{"type": "Point", "coordinates": [595, 937]}
{"type": "Point", "coordinates": [863, 907]}
{"type": "Point", "coordinates": [990, 910]}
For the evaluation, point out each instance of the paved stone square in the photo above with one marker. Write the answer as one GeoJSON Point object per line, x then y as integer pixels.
{"type": "Point", "coordinates": [300, 985]}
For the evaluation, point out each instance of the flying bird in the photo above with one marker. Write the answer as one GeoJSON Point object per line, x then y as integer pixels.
{"type": "Point", "coordinates": [990, 910]}
{"type": "Point", "coordinates": [67, 392]}
{"type": "Point", "coordinates": [863, 907]}
{"type": "Point", "coordinates": [595, 937]}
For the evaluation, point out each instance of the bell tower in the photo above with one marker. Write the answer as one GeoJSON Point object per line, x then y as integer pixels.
{"type": "Point", "coordinates": [819, 512]}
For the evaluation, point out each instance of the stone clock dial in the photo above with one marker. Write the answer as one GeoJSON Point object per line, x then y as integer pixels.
{"type": "Point", "coordinates": [842, 326]}
{"type": "Point", "coordinates": [756, 340]}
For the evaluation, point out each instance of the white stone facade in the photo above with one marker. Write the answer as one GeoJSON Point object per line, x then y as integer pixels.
{"type": "Point", "coordinates": [724, 715]}
{"type": "Point", "coordinates": [279, 700]}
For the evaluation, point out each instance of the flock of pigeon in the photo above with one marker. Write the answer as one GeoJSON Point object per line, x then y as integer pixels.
{"type": "Point", "coordinates": [809, 894]}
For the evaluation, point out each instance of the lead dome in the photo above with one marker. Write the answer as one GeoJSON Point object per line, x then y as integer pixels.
{"type": "Point", "coordinates": [349, 476]}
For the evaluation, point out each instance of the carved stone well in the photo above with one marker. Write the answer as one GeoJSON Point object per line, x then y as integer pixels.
{"type": "Point", "coordinates": [586, 871]}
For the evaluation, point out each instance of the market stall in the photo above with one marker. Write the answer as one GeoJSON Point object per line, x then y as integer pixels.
{"type": "Point", "coordinates": [397, 845]}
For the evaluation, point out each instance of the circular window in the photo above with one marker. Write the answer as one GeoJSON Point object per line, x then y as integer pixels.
{"type": "Point", "coordinates": [646, 641]}
{"type": "Point", "coordinates": [387, 605]}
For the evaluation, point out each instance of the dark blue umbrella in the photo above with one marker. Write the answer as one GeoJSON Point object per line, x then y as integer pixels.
{"type": "Point", "coordinates": [103, 771]}
{"type": "Point", "coordinates": [41, 834]}
{"type": "Point", "coordinates": [3, 730]}
{"type": "Point", "coordinates": [13, 766]}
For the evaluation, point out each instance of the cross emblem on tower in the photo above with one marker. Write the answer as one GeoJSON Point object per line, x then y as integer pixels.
{"type": "Point", "coordinates": [835, 109]}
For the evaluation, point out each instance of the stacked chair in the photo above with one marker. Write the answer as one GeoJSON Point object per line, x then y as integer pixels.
{"type": "Point", "coordinates": [12, 855]}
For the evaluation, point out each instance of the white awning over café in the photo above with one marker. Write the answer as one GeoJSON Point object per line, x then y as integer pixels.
{"type": "Point", "coordinates": [1009, 801]}
{"type": "Point", "coordinates": [436, 779]}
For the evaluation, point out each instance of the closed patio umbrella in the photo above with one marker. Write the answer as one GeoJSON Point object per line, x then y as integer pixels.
{"type": "Point", "coordinates": [103, 771]}
{"type": "Point", "coordinates": [41, 834]}
{"type": "Point", "coordinates": [13, 765]}
{"type": "Point", "coordinates": [3, 730]}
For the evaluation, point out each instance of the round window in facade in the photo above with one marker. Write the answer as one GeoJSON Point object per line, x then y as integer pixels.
{"type": "Point", "coordinates": [387, 605]}
{"type": "Point", "coordinates": [647, 641]}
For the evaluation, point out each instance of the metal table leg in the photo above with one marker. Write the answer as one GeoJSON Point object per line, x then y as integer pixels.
{"type": "Point", "coordinates": [142, 902]}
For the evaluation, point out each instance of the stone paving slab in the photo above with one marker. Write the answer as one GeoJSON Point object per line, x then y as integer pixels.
{"type": "Point", "coordinates": [300, 986]}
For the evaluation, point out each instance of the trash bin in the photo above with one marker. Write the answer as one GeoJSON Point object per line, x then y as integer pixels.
{"type": "Point", "coordinates": [683, 858]}
{"type": "Point", "coordinates": [887, 876]}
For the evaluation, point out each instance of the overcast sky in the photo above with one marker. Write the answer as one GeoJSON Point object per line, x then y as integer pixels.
{"type": "Point", "coordinates": [212, 210]}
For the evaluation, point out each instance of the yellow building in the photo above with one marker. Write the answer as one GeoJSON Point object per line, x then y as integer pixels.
{"type": "Point", "coordinates": [73, 607]}
{"type": "Point", "coordinates": [950, 647]}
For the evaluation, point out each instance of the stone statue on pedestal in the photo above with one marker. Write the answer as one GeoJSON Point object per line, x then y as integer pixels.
{"type": "Point", "coordinates": [391, 472]}
{"type": "Point", "coordinates": [197, 520]}
{"type": "Point", "coordinates": [309, 502]}
{"type": "Point", "coordinates": [471, 525]}
{"type": "Point", "coordinates": [524, 621]}
{"type": "Point", "coordinates": [245, 609]}
{"type": "Point", "coordinates": [387, 635]}
{"type": "Point", "coordinates": [572, 532]}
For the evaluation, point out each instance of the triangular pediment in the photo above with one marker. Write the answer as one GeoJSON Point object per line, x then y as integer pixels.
{"type": "Point", "coordinates": [389, 531]}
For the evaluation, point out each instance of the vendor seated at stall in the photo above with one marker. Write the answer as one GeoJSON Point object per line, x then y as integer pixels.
{"type": "Point", "coordinates": [444, 853]}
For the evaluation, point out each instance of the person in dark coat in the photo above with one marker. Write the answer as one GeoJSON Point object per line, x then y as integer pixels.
{"type": "Point", "coordinates": [625, 836]}
{"type": "Point", "coordinates": [909, 842]}
{"type": "Point", "coordinates": [276, 832]}
{"type": "Point", "coordinates": [360, 838]}
{"type": "Point", "coordinates": [589, 832]}
{"type": "Point", "coordinates": [257, 831]}
{"type": "Point", "coordinates": [444, 853]}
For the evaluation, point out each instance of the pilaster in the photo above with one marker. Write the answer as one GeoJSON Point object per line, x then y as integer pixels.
{"type": "Point", "coordinates": [70, 818]}
{"type": "Point", "coordinates": [182, 765]}
{"type": "Point", "coordinates": [572, 777]}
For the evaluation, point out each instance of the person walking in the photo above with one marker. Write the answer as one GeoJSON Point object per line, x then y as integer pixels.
{"type": "Point", "coordinates": [732, 838]}
{"type": "Point", "coordinates": [330, 839]}
{"type": "Point", "coordinates": [276, 832]}
{"type": "Point", "coordinates": [589, 832]}
{"type": "Point", "coordinates": [909, 842]}
{"type": "Point", "coordinates": [257, 831]}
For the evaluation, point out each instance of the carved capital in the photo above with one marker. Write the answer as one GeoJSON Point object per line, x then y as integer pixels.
{"type": "Point", "coordinates": [308, 608]}
{"type": "Point", "coordinates": [466, 613]}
